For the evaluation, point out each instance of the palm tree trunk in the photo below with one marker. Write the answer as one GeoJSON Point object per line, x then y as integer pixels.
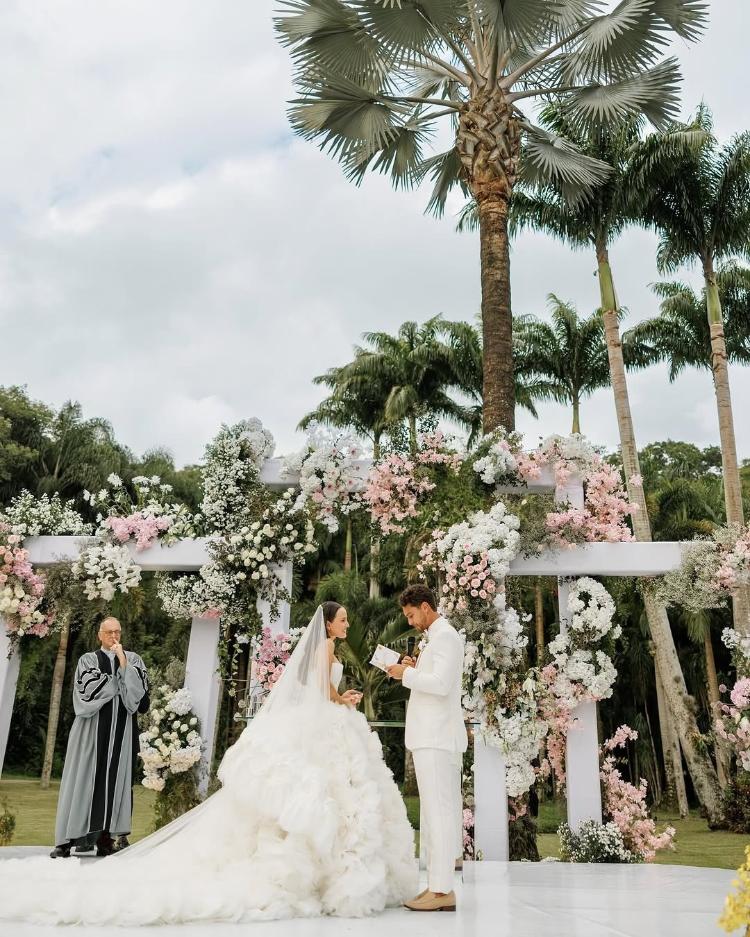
{"type": "Point", "coordinates": [730, 467]}
{"type": "Point", "coordinates": [539, 620]}
{"type": "Point", "coordinates": [722, 755]}
{"type": "Point", "coordinates": [655, 782]}
{"type": "Point", "coordinates": [58, 678]}
{"type": "Point", "coordinates": [576, 415]}
{"type": "Point", "coordinates": [670, 746]}
{"type": "Point", "coordinates": [682, 707]}
{"type": "Point", "coordinates": [412, 434]}
{"type": "Point", "coordinates": [489, 146]}
{"type": "Point", "coordinates": [348, 547]}
{"type": "Point", "coordinates": [498, 387]}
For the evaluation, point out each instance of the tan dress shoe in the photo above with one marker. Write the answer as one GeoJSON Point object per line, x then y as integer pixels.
{"type": "Point", "coordinates": [430, 902]}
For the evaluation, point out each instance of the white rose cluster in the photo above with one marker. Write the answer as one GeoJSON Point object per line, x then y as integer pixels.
{"type": "Point", "coordinates": [231, 472]}
{"type": "Point", "coordinates": [329, 477]}
{"type": "Point", "coordinates": [591, 609]}
{"type": "Point", "coordinates": [106, 569]}
{"type": "Point", "coordinates": [171, 743]}
{"type": "Point", "coordinates": [494, 532]}
{"type": "Point", "coordinates": [585, 671]}
{"type": "Point", "coordinates": [574, 448]}
{"type": "Point", "coordinates": [497, 462]}
{"type": "Point", "coordinates": [282, 533]}
{"type": "Point", "coordinates": [594, 842]}
{"type": "Point", "coordinates": [29, 516]}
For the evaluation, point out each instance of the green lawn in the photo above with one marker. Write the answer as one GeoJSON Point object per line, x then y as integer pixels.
{"type": "Point", "coordinates": [695, 843]}
{"type": "Point", "coordinates": [35, 810]}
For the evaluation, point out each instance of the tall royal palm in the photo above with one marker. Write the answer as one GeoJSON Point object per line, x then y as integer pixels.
{"type": "Point", "coordinates": [569, 354]}
{"type": "Point", "coordinates": [700, 207]}
{"type": "Point", "coordinates": [376, 77]}
{"type": "Point", "coordinates": [594, 223]}
{"type": "Point", "coordinates": [681, 333]}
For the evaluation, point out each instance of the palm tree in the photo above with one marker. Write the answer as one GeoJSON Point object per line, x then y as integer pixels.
{"type": "Point", "coordinates": [700, 208]}
{"type": "Point", "coordinates": [685, 508]}
{"type": "Point", "coordinates": [352, 405]}
{"type": "Point", "coordinates": [461, 354]}
{"type": "Point", "coordinates": [375, 78]}
{"type": "Point", "coordinates": [594, 223]}
{"type": "Point", "coordinates": [77, 453]}
{"type": "Point", "coordinates": [411, 364]}
{"type": "Point", "coordinates": [681, 333]}
{"type": "Point", "coordinates": [569, 354]}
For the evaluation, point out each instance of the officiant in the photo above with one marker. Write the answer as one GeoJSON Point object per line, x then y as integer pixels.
{"type": "Point", "coordinates": [110, 688]}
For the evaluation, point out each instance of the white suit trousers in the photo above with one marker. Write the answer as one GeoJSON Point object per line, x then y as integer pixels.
{"type": "Point", "coordinates": [436, 779]}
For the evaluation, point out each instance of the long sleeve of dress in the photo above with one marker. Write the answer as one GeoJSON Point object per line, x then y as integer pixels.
{"type": "Point", "coordinates": [132, 682]}
{"type": "Point", "coordinates": [444, 662]}
{"type": "Point", "coordinates": [91, 687]}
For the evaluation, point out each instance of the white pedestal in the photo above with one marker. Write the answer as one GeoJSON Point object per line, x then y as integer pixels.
{"type": "Point", "coordinates": [490, 802]}
{"type": "Point", "coordinates": [583, 788]}
{"type": "Point", "coordinates": [582, 767]}
{"type": "Point", "coordinates": [8, 679]}
{"type": "Point", "coordinates": [202, 679]}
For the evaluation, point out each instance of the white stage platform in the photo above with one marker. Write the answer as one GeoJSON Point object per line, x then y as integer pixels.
{"type": "Point", "coordinates": [501, 899]}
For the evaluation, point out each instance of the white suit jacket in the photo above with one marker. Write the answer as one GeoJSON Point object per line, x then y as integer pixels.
{"type": "Point", "coordinates": [434, 717]}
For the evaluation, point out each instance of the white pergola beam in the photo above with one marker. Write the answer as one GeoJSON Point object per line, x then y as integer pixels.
{"type": "Point", "coordinates": [591, 559]}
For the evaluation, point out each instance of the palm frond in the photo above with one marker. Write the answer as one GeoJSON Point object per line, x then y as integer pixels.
{"type": "Point", "coordinates": [652, 92]}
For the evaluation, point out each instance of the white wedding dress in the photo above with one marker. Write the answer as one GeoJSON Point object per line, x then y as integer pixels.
{"type": "Point", "coordinates": [308, 822]}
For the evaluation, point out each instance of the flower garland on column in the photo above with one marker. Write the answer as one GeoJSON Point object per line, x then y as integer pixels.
{"type": "Point", "coordinates": [253, 529]}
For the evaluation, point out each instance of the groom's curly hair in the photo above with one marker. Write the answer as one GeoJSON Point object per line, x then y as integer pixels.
{"type": "Point", "coordinates": [415, 594]}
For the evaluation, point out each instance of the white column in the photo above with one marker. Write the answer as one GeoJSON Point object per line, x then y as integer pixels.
{"type": "Point", "coordinates": [582, 786]}
{"type": "Point", "coordinates": [202, 679]}
{"type": "Point", "coordinates": [490, 801]}
{"type": "Point", "coordinates": [280, 624]}
{"type": "Point", "coordinates": [9, 668]}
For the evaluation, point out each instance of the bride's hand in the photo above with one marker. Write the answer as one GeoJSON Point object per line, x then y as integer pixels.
{"type": "Point", "coordinates": [351, 697]}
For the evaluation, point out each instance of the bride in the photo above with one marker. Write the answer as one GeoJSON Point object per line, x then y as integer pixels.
{"type": "Point", "coordinates": [308, 821]}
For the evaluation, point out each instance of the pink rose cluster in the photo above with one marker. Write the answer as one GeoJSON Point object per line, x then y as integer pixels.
{"type": "Point", "coordinates": [733, 720]}
{"type": "Point", "coordinates": [271, 655]}
{"type": "Point", "coordinates": [468, 831]}
{"type": "Point", "coordinates": [21, 589]}
{"type": "Point", "coordinates": [434, 450]}
{"type": "Point", "coordinates": [142, 526]}
{"type": "Point", "coordinates": [734, 563]}
{"type": "Point", "coordinates": [625, 804]}
{"type": "Point", "coordinates": [463, 583]}
{"type": "Point", "coordinates": [393, 490]}
{"type": "Point", "coordinates": [396, 483]}
{"type": "Point", "coordinates": [603, 515]}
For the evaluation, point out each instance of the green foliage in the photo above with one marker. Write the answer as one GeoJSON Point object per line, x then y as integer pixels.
{"type": "Point", "coordinates": [180, 794]}
{"type": "Point", "coordinates": [7, 823]}
{"type": "Point", "coordinates": [736, 800]}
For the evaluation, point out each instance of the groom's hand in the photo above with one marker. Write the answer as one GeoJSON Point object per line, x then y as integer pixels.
{"type": "Point", "coordinates": [397, 671]}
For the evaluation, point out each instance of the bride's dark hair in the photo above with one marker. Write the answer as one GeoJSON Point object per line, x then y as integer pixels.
{"type": "Point", "coordinates": [330, 610]}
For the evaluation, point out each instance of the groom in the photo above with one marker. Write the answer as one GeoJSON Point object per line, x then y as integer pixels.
{"type": "Point", "coordinates": [436, 737]}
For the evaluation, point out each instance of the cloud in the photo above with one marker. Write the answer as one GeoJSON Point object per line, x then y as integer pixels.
{"type": "Point", "coordinates": [173, 258]}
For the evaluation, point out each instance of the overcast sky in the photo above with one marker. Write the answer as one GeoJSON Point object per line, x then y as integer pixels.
{"type": "Point", "coordinates": [173, 258]}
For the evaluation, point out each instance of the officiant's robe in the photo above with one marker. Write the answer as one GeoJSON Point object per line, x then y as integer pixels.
{"type": "Point", "coordinates": [96, 792]}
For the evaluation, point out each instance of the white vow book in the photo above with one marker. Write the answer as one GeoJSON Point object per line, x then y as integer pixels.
{"type": "Point", "coordinates": [384, 657]}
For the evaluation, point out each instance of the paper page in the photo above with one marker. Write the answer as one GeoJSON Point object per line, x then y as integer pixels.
{"type": "Point", "coordinates": [384, 657]}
